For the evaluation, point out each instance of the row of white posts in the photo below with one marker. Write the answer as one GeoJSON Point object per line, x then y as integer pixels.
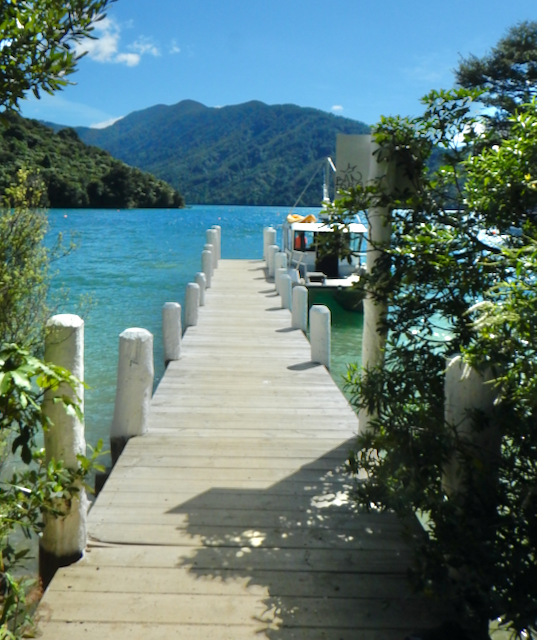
{"type": "Point", "coordinates": [296, 300]}
{"type": "Point", "coordinates": [64, 537]}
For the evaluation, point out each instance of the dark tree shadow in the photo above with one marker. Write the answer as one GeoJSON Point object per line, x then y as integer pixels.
{"type": "Point", "coordinates": [323, 568]}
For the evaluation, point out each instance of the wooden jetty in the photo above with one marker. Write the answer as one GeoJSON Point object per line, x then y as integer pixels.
{"type": "Point", "coordinates": [231, 519]}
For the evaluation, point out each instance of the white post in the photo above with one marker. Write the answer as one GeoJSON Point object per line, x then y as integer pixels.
{"type": "Point", "coordinates": [201, 281]}
{"type": "Point", "coordinates": [269, 237]}
{"type": "Point", "coordinates": [212, 238]}
{"type": "Point", "coordinates": [467, 390]}
{"type": "Point", "coordinates": [272, 250]}
{"type": "Point", "coordinates": [381, 171]}
{"type": "Point", "coordinates": [206, 266]}
{"type": "Point", "coordinates": [219, 244]}
{"type": "Point", "coordinates": [286, 290]}
{"type": "Point", "coordinates": [134, 388]}
{"type": "Point", "coordinates": [280, 260]}
{"type": "Point", "coordinates": [192, 303]}
{"type": "Point", "coordinates": [278, 279]}
{"type": "Point", "coordinates": [265, 242]}
{"type": "Point", "coordinates": [210, 248]}
{"type": "Point", "coordinates": [280, 263]}
{"type": "Point", "coordinates": [300, 308]}
{"type": "Point", "coordinates": [320, 334]}
{"type": "Point", "coordinates": [64, 537]}
{"type": "Point", "coordinates": [171, 331]}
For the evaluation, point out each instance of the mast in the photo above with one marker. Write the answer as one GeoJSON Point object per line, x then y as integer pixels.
{"type": "Point", "coordinates": [328, 167]}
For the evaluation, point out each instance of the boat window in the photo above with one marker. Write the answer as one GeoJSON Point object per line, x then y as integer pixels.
{"type": "Point", "coordinates": [303, 241]}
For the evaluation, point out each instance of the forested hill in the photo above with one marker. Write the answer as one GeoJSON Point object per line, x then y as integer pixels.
{"type": "Point", "coordinates": [74, 174]}
{"type": "Point", "coordinates": [250, 153]}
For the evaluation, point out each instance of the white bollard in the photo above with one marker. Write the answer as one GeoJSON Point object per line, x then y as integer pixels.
{"type": "Point", "coordinates": [300, 308]}
{"type": "Point", "coordinates": [64, 538]}
{"type": "Point", "coordinates": [134, 388]}
{"type": "Point", "coordinates": [212, 238]}
{"type": "Point", "coordinates": [171, 331]}
{"type": "Point", "coordinates": [192, 303]}
{"type": "Point", "coordinates": [277, 280]}
{"type": "Point", "coordinates": [280, 260]}
{"type": "Point", "coordinates": [218, 229]}
{"type": "Point", "coordinates": [320, 334]}
{"type": "Point", "coordinates": [269, 237]}
{"type": "Point", "coordinates": [468, 390]}
{"type": "Point", "coordinates": [265, 242]}
{"type": "Point", "coordinates": [286, 288]}
{"type": "Point", "coordinates": [210, 247]}
{"type": "Point", "coordinates": [207, 267]}
{"type": "Point", "coordinates": [201, 281]}
{"type": "Point", "coordinates": [272, 250]}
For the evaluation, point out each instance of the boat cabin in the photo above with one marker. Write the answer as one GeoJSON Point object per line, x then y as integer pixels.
{"type": "Point", "coordinates": [300, 243]}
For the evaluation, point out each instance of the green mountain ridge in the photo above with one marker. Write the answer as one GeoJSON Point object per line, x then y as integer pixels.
{"type": "Point", "coordinates": [246, 154]}
{"type": "Point", "coordinates": [74, 174]}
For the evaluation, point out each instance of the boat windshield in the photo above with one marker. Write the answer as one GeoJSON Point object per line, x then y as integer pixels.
{"type": "Point", "coordinates": [304, 241]}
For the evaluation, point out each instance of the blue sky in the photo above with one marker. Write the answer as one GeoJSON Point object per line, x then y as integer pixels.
{"type": "Point", "coordinates": [356, 58]}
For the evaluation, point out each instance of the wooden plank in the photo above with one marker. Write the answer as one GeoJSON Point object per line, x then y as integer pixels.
{"type": "Point", "coordinates": [301, 490]}
{"type": "Point", "coordinates": [371, 532]}
{"type": "Point", "coordinates": [229, 582]}
{"type": "Point", "coordinates": [217, 559]}
{"type": "Point", "coordinates": [231, 537]}
{"type": "Point", "coordinates": [158, 473]}
{"type": "Point", "coordinates": [294, 611]}
{"type": "Point", "coordinates": [175, 498]}
{"type": "Point", "coordinates": [142, 631]}
{"type": "Point", "coordinates": [199, 461]}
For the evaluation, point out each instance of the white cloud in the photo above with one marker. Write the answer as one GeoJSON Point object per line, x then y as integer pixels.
{"type": "Point", "coordinates": [145, 45]}
{"type": "Point", "coordinates": [174, 48]}
{"type": "Point", "coordinates": [106, 47]}
{"type": "Point", "coordinates": [130, 59]}
{"type": "Point", "coordinates": [337, 107]}
{"type": "Point", "coordinates": [106, 123]}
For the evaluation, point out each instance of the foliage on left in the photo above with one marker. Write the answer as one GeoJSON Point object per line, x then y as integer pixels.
{"type": "Point", "coordinates": [37, 52]}
{"type": "Point", "coordinates": [23, 264]}
{"type": "Point", "coordinates": [29, 487]}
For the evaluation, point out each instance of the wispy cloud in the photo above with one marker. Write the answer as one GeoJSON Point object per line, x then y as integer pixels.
{"type": "Point", "coordinates": [58, 109]}
{"type": "Point", "coordinates": [174, 47]}
{"type": "Point", "coordinates": [337, 108]}
{"type": "Point", "coordinates": [144, 46]}
{"type": "Point", "coordinates": [106, 47]}
{"type": "Point", "coordinates": [106, 123]}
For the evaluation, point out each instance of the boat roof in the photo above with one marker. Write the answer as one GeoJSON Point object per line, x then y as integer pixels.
{"type": "Point", "coordinates": [353, 227]}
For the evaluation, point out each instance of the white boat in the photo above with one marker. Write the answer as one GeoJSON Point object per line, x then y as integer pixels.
{"type": "Point", "coordinates": [301, 239]}
{"type": "Point", "coordinates": [302, 236]}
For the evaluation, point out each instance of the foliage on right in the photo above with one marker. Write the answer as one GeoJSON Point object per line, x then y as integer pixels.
{"type": "Point", "coordinates": [508, 74]}
{"type": "Point", "coordinates": [458, 279]}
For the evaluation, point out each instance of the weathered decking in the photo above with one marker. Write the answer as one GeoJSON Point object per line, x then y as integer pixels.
{"type": "Point", "coordinates": [230, 519]}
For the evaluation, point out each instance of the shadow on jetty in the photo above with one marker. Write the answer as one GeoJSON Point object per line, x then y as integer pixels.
{"type": "Point", "coordinates": [320, 569]}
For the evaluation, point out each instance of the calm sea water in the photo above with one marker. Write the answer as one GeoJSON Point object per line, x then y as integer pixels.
{"type": "Point", "coordinates": [128, 263]}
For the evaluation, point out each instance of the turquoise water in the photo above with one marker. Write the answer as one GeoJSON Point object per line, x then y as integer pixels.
{"type": "Point", "coordinates": [130, 262]}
